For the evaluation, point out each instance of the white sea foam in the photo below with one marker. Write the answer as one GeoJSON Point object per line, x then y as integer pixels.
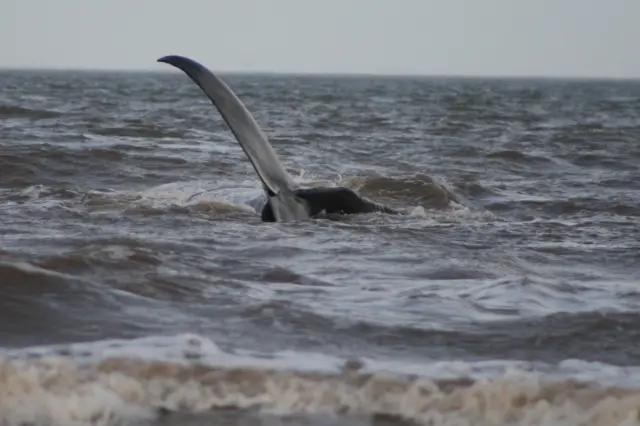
{"type": "Point", "coordinates": [118, 381]}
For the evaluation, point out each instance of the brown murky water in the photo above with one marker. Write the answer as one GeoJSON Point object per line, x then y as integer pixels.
{"type": "Point", "coordinates": [138, 285]}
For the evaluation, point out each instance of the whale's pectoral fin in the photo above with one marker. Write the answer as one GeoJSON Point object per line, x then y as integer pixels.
{"type": "Point", "coordinates": [287, 206]}
{"type": "Point", "coordinates": [244, 127]}
{"type": "Point", "coordinates": [277, 183]}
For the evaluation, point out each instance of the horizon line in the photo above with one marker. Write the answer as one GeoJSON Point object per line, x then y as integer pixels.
{"type": "Point", "coordinates": [332, 73]}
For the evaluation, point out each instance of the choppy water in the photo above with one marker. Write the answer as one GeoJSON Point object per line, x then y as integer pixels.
{"type": "Point", "coordinates": [138, 285]}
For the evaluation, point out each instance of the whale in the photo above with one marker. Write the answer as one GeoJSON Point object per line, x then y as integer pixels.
{"type": "Point", "coordinates": [286, 201]}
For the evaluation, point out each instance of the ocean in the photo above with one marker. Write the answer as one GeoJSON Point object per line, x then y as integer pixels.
{"type": "Point", "coordinates": [139, 286]}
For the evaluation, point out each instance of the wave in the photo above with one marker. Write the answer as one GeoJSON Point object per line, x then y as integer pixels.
{"type": "Point", "coordinates": [548, 338]}
{"type": "Point", "coordinates": [570, 207]}
{"type": "Point", "coordinates": [215, 199]}
{"type": "Point", "coordinates": [136, 131]}
{"type": "Point", "coordinates": [37, 303]}
{"type": "Point", "coordinates": [75, 385]}
{"type": "Point", "coordinates": [419, 188]}
{"type": "Point", "coordinates": [12, 111]}
{"type": "Point", "coordinates": [46, 164]}
{"type": "Point", "coordinates": [178, 197]}
{"type": "Point", "coordinates": [52, 164]}
{"type": "Point", "coordinates": [516, 156]}
{"type": "Point", "coordinates": [618, 162]}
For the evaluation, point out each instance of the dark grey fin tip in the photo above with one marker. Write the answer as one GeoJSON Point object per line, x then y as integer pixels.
{"type": "Point", "coordinates": [173, 59]}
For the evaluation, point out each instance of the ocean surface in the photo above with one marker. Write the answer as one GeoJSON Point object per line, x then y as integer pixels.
{"type": "Point", "coordinates": [139, 286]}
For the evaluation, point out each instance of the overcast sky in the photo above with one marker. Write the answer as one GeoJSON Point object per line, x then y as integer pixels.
{"type": "Point", "coordinates": [462, 37]}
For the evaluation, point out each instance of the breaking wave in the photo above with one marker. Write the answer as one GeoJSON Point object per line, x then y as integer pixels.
{"type": "Point", "coordinates": [111, 383]}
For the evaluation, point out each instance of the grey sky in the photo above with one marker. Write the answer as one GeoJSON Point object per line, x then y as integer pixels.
{"type": "Point", "coordinates": [464, 37]}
